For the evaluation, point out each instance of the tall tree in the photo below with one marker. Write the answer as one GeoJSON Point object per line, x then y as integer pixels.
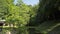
{"type": "Point", "coordinates": [48, 15]}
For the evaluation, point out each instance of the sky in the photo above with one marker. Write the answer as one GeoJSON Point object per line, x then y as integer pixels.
{"type": "Point", "coordinates": [29, 2]}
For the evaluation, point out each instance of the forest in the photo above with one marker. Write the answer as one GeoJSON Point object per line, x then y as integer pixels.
{"type": "Point", "coordinates": [19, 18]}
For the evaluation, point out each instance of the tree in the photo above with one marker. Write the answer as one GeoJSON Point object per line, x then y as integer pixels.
{"type": "Point", "coordinates": [48, 15]}
{"type": "Point", "coordinates": [4, 6]}
{"type": "Point", "coordinates": [19, 2]}
{"type": "Point", "coordinates": [33, 13]}
{"type": "Point", "coordinates": [3, 9]}
{"type": "Point", "coordinates": [18, 14]}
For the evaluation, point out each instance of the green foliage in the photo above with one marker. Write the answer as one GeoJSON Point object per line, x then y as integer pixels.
{"type": "Point", "coordinates": [19, 2]}
{"type": "Point", "coordinates": [18, 14]}
{"type": "Point", "coordinates": [3, 8]}
{"type": "Point", "coordinates": [33, 14]}
{"type": "Point", "coordinates": [14, 13]}
{"type": "Point", "coordinates": [38, 15]}
{"type": "Point", "coordinates": [47, 15]}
